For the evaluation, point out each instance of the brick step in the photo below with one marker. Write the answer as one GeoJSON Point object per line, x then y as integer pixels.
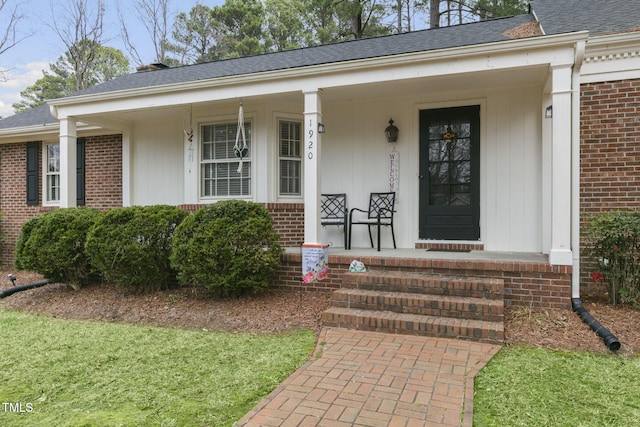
{"type": "Point", "coordinates": [425, 304]}
{"type": "Point", "coordinates": [413, 324]}
{"type": "Point", "coordinates": [395, 281]}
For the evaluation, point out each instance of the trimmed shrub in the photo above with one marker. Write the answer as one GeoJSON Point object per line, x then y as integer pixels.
{"type": "Point", "coordinates": [614, 241]}
{"type": "Point", "coordinates": [229, 247]}
{"type": "Point", "coordinates": [24, 257]}
{"type": "Point", "coordinates": [131, 246]}
{"type": "Point", "coordinates": [53, 245]}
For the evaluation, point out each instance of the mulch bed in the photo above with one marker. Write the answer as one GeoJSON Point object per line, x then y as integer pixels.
{"type": "Point", "coordinates": [281, 311]}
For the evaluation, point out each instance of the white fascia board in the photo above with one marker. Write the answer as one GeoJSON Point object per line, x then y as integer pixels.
{"type": "Point", "coordinates": [30, 133]}
{"type": "Point", "coordinates": [47, 132]}
{"type": "Point", "coordinates": [557, 49]}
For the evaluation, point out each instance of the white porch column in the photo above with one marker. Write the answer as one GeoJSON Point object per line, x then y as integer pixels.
{"type": "Point", "coordinates": [68, 163]}
{"type": "Point", "coordinates": [560, 253]}
{"type": "Point", "coordinates": [312, 166]}
{"type": "Point", "coordinates": [126, 168]}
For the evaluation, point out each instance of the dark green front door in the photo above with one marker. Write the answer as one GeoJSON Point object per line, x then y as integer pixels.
{"type": "Point", "coordinates": [450, 173]}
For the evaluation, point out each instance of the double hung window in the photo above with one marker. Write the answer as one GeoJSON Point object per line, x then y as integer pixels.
{"type": "Point", "coordinates": [219, 175]}
{"type": "Point", "coordinates": [290, 147]}
{"type": "Point", "coordinates": [53, 173]}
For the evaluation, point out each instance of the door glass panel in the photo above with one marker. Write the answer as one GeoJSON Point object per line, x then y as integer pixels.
{"type": "Point", "coordinates": [439, 195]}
{"type": "Point", "coordinates": [449, 164]}
{"type": "Point", "coordinates": [461, 172]}
{"type": "Point", "coordinates": [438, 173]}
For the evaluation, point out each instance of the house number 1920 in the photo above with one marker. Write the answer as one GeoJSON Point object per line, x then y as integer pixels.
{"type": "Point", "coordinates": [310, 146]}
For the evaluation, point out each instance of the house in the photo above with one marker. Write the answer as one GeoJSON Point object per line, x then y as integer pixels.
{"type": "Point", "coordinates": [508, 130]}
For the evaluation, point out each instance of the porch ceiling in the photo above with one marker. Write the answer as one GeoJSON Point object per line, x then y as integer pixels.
{"type": "Point", "coordinates": [451, 83]}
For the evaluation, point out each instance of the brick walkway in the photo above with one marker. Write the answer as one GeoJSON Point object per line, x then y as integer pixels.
{"type": "Point", "coordinates": [375, 379]}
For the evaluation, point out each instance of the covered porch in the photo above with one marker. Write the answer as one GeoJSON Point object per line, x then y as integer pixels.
{"type": "Point", "coordinates": [514, 180]}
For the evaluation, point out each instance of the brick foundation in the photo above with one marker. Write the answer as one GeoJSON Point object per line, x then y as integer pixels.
{"type": "Point", "coordinates": [529, 284]}
{"type": "Point", "coordinates": [609, 155]}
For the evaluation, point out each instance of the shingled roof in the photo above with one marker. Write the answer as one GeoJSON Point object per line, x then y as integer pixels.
{"type": "Point", "coordinates": [418, 41]}
{"type": "Point", "coordinates": [555, 17]}
{"type": "Point", "coordinates": [597, 16]}
{"type": "Point", "coordinates": [37, 116]}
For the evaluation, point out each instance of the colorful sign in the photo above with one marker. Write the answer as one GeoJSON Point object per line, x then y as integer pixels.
{"type": "Point", "coordinates": [315, 262]}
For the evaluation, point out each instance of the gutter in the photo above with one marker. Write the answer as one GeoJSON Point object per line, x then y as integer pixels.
{"type": "Point", "coordinates": [575, 168]}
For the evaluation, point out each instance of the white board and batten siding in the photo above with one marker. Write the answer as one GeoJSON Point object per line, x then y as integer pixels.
{"type": "Point", "coordinates": [355, 156]}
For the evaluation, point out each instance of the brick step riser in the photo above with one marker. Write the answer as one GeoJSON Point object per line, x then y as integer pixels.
{"type": "Point", "coordinates": [442, 289]}
{"type": "Point", "coordinates": [386, 322]}
{"type": "Point", "coordinates": [476, 310]}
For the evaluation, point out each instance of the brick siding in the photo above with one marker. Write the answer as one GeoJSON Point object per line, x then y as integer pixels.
{"type": "Point", "coordinates": [610, 156]}
{"type": "Point", "coordinates": [103, 182]}
{"type": "Point", "coordinates": [288, 221]}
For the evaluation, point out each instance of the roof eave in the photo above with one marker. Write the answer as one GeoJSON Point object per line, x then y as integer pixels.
{"type": "Point", "coordinates": [30, 132]}
{"type": "Point", "coordinates": [360, 64]}
{"type": "Point", "coordinates": [604, 40]}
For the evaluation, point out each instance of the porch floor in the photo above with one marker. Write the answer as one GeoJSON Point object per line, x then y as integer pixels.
{"type": "Point", "coordinates": [356, 253]}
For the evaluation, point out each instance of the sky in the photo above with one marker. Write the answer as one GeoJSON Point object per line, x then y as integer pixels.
{"type": "Point", "coordinates": [26, 61]}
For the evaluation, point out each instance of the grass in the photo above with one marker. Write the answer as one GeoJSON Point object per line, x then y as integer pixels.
{"type": "Point", "coordinates": [76, 373]}
{"type": "Point", "coordinates": [534, 387]}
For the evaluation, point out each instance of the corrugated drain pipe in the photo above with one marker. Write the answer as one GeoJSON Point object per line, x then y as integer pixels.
{"type": "Point", "coordinates": [11, 291]}
{"type": "Point", "coordinates": [609, 339]}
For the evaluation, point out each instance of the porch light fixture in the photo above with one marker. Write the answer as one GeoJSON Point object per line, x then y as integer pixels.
{"type": "Point", "coordinates": [321, 128]}
{"type": "Point", "coordinates": [392, 132]}
{"type": "Point", "coordinates": [548, 112]}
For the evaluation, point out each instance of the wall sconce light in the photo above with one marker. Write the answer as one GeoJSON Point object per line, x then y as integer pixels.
{"type": "Point", "coordinates": [391, 132]}
{"type": "Point", "coordinates": [321, 128]}
{"type": "Point", "coordinates": [548, 112]}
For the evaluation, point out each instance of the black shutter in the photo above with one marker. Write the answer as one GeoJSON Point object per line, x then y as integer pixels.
{"type": "Point", "coordinates": [80, 171]}
{"type": "Point", "coordinates": [33, 149]}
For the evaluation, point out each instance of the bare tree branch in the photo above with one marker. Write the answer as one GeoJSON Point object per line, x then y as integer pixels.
{"type": "Point", "coordinates": [10, 37]}
{"type": "Point", "coordinates": [81, 36]}
{"type": "Point", "coordinates": [154, 16]}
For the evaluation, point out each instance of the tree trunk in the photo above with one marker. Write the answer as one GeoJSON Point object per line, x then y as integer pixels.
{"type": "Point", "coordinates": [434, 13]}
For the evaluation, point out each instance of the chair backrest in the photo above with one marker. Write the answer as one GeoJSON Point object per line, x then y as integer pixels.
{"type": "Point", "coordinates": [333, 206]}
{"type": "Point", "coordinates": [382, 204]}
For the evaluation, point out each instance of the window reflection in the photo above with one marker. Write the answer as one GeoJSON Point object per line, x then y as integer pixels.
{"type": "Point", "coordinates": [450, 164]}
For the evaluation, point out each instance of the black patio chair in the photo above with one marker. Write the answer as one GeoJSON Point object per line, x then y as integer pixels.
{"type": "Point", "coordinates": [333, 211]}
{"type": "Point", "coordinates": [380, 214]}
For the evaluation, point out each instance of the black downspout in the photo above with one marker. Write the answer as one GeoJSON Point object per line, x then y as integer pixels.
{"type": "Point", "coordinates": [609, 339]}
{"type": "Point", "coordinates": [15, 289]}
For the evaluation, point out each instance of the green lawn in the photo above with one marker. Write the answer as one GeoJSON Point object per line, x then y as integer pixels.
{"type": "Point", "coordinates": [534, 387]}
{"type": "Point", "coordinates": [73, 373]}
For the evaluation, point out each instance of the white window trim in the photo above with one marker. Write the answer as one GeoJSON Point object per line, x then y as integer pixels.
{"type": "Point", "coordinates": [198, 157]}
{"type": "Point", "coordinates": [46, 201]}
{"type": "Point", "coordinates": [280, 158]}
{"type": "Point", "coordinates": [289, 117]}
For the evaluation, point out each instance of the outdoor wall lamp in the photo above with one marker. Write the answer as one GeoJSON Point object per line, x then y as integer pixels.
{"type": "Point", "coordinates": [548, 112]}
{"type": "Point", "coordinates": [321, 128]}
{"type": "Point", "coordinates": [392, 132]}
